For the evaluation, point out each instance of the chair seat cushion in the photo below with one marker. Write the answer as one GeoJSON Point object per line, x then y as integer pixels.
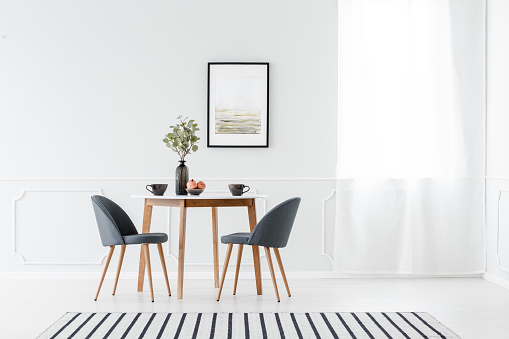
{"type": "Point", "coordinates": [236, 238]}
{"type": "Point", "coordinates": [145, 238]}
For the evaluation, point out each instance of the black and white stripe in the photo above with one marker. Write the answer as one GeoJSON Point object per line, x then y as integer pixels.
{"type": "Point", "coordinates": [359, 325]}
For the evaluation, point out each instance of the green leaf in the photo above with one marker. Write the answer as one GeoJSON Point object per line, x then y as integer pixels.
{"type": "Point", "coordinates": [195, 148]}
{"type": "Point", "coordinates": [168, 145]}
{"type": "Point", "coordinates": [165, 140]}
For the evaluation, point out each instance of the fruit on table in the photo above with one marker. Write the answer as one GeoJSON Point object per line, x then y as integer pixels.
{"type": "Point", "coordinates": [191, 184]}
{"type": "Point", "coordinates": [201, 185]}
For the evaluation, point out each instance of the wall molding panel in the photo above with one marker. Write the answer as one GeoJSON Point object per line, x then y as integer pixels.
{"type": "Point", "coordinates": [496, 178]}
{"type": "Point", "coordinates": [324, 226]}
{"type": "Point", "coordinates": [42, 240]}
{"type": "Point", "coordinates": [24, 193]}
{"type": "Point", "coordinates": [499, 260]}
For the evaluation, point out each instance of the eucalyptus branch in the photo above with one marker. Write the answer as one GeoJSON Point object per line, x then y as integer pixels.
{"type": "Point", "coordinates": [183, 139]}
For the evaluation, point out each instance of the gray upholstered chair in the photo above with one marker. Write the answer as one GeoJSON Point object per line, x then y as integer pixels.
{"type": "Point", "coordinates": [116, 228]}
{"type": "Point", "coordinates": [273, 232]}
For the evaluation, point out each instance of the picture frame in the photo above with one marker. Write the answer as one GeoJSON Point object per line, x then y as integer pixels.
{"type": "Point", "coordinates": [238, 104]}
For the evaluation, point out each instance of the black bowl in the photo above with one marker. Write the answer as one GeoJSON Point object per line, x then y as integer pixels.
{"type": "Point", "coordinates": [195, 191]}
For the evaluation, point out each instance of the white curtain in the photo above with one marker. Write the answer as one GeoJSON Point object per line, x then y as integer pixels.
{"type": "Point", "coordinates": [411, 162]}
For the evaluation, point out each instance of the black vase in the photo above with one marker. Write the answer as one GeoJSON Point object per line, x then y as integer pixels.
{"type": "Point", "coordinates": [181, 178]}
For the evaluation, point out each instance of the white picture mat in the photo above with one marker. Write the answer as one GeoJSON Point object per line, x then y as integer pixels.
{"type": "Point", "coordinates": [241, 70]}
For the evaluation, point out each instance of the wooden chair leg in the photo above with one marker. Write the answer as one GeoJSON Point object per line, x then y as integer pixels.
{"type": "Point", "coordinates": [271, 268]}
{"type": "Point", "coordinates": [239, 258]}
{"type": "Point", "coordinates": [120, 260]}
{"type": "Point", "coordinates": [149, 269]}
{"type": "Point", "coordinates": [112, 248]}
{"type": "Point", "coordinates": [225, 268]}
{"type": "Point", "coordinates": [163, 262]}
{"type": "Point", "coordinates": [280, 263]}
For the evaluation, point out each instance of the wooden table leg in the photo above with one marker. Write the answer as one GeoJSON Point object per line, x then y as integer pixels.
{"type": "Point", "coordinates": [182, 247]}
{"type": "Point", "coordinates": [251, 210]}
{"type": "Point", "coordinates": [147, 218]}
{"type": "Point", "coordinates": [214, 245]}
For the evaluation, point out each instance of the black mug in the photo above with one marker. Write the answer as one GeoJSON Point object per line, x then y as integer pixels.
{"type": "Point", "coordinates": [238, 189]}
{"type": "Point", "coordinates": [157, 189]}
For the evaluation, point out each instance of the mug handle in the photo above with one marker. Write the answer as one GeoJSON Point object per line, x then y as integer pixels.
{"type": "Point", "coordinates": [148, 189]}
{"type": "Point", "coordinates": [248, 188]}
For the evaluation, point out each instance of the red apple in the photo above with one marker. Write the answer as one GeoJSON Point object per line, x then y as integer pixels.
{"type": "Point", "coordinates": [191, 184]}
{"type": "Point", "coordinates": [201, 185]}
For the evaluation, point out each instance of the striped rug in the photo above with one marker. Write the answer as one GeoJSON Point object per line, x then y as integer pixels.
{"type": "Point", "coordinates": [248, 325]}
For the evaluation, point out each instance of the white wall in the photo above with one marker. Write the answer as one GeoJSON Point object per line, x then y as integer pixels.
{"type": "Point", "coordinates": [497, 182]}
{"type": "Point", "coordinates": [89, 88]}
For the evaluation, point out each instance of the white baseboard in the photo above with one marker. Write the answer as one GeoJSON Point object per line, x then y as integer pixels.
{"type": "Point", "coordinates": [157, 275]}
{"type": "Point", "coordinates": [231, 273]}
{"type": "Point", "coordinates": [496, 280]}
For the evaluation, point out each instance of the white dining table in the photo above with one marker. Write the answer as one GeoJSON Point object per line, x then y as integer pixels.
{"type": "Point", "coordinates": [212, 200]}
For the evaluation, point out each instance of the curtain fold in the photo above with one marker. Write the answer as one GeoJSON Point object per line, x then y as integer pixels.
{"type": "Point", "coordinates": [411, 162]}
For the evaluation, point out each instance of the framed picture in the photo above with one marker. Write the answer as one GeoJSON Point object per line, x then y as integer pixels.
{"type": "Point", "coordinates": [238, 104]}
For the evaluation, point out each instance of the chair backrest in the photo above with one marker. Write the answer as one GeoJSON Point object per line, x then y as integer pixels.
{"type": "Point", "coordinates": [275, 227]}
{"type": "Point", "coordinates": [112, 220]}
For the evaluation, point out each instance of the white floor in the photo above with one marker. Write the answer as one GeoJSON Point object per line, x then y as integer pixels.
{"type": "Point", "coordinates": [471, 307]}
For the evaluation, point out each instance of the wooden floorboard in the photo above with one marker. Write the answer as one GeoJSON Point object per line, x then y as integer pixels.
{"type": "Point", "coordinates": [471, 307]}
